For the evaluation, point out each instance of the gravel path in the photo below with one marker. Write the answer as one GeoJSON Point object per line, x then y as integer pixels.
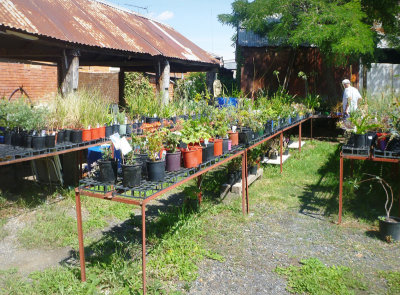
{"type": "Point", "coordinates": [275, 239]}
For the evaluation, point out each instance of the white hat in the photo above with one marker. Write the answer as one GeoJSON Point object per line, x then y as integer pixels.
{"type": "Point", "coordinates": [346, 81]}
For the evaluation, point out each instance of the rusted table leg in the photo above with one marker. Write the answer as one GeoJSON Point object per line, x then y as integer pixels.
{"type": "Point", "coordinates": [199, 181]}
{"type": "Point", "coordinates": [300, 137]}
{"type": "Point", "coordinates": [80, 234]}
{"type": "Point", "coordinates": [281, 149]}
{"type": "Point", "coordinates": [340, 188]}
{"type": "Point", "coordinates": [247, 184]}
{"type": "Point", "coordinates": [243, 182]}
{"type": "Point", "coordinates": [144, 248]}
{"type": "Point", "coordinates": [351, 167]}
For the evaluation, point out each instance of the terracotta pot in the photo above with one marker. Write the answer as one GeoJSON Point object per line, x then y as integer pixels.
{"type": "Point", "coordinates": [199, 154]}
{"type": "Point", "coordinates": [217, 147]}
{"type": "Point", "coordinates": [86, 135]}
{"type": "Point", "coordinates": [189, 158]}
{"type": "Point", "coordinates": [94, 133]}
{"type": "Point", "coordinates": [234, 137]}
{"type": "Point", "coordinates": [102, 132]}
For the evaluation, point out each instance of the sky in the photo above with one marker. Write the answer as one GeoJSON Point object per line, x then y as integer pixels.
{"type": "Point", "coordinates": [194, 19]}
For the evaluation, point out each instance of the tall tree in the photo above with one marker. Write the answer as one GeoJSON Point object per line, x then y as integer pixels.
{"type": "Point", "coordinates": [342, 29]}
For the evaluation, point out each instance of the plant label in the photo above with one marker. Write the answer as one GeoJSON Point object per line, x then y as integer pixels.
{"type": "Point", "coordinates": [125, 147]}
{"type": "Point", "coordinates": [116, 140]}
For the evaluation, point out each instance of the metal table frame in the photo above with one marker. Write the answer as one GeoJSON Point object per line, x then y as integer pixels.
{"type": "Point", "coordinates": [111, 196]}
{"type": "Point", "coordinates": [352, 158]}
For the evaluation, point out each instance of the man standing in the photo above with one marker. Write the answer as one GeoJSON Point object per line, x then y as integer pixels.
{"type": "Point", "coordinates": [351, 96]}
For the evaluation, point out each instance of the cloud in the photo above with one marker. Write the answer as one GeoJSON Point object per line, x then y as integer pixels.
{"type": "Point", "coordinates": [165, 15]}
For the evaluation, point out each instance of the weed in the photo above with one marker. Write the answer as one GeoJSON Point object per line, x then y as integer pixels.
{"type": "Point", "coordinates": [313, 277]}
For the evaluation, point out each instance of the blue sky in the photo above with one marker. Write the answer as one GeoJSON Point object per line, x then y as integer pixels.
{"type": "Point", "coordinates": [195, 19]}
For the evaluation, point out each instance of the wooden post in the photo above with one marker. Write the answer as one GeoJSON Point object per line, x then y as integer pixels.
{"type": "Point", "coordinates": [121, 87]}
{"type": "Point", "coordinates": [162, 80]}
{"type": "Point", "coordinates": [69, 71]}
{"type": "Point", "coordinates": [210, 78]}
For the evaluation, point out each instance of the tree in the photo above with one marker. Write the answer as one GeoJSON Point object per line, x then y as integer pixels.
{"type": "Point", "coordinates": [341, 29]}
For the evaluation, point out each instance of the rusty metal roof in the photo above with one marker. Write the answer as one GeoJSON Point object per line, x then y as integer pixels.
{"type": "Point", "coordinates": [98, 24]}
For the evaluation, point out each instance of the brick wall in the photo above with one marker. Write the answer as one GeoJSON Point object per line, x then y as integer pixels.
{"type": "Point", "coordinates": [39, 81]}
{"type": "Point", "coordinates": [107, 83]}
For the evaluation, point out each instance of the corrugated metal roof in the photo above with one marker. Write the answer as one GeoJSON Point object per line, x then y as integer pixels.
{"type": "Point", "coordinates": [94, 23]}
{"type": "Point", "coordinates": [250, 39]}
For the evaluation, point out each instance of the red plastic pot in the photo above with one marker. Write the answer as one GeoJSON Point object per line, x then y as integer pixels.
{"type": "Point", "coordinates": [189, 158]}
{"type": "Point", "coordinates": [86, 135]}
{"type": "Point", "coordinates": [217, 147]}
{"type": "Point", "coordinates": [102, 132]}
{"type": "Point", "coordinates": [199, 154]}
{"type": "Point", "coordinates": [234, 137]}
{"type": "Point", "coordinates": [94, 133]}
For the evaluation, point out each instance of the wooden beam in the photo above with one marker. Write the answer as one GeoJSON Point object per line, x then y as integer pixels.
{"type": "Point", "coordinates": [163, 77]}
{"type": "Point", "coordinates": [121, 87]}
{"type": "Point", "coordinates": [69, 71]}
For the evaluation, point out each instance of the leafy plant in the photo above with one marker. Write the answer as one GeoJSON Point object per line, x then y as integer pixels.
{"type": "Point", "coordinates": [106, 153]}
{"type": "Point", "coordinates": [172, 140]}
{"type": "Point", "coordinates": [155, 145]}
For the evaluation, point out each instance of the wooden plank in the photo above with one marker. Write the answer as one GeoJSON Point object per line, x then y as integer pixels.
{"type": "Point", "coordinates": [295, 145]}
{"type": "Point", "coordinates": [237, 187]}
{"type": "Point", "coordinates": [276, 161]}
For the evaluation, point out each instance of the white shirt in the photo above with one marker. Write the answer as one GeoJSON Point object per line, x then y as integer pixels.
{"type": "Point", "coordinates": [351, 95]}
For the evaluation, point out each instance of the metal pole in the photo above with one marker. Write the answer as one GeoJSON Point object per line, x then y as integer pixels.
{"type": "Point", "coordinates": [199, 195]}
{"type": "Point", "coordinates": [311, 128]}
{"type": "Point", "coordinates": [281, 149]}
{"type": "Point", "coordinates": [243, 182]}
{"type": "Point", "coordinates": [300, 137]}
{"type": "Point", "coordinates": [351, 167]}
{"type": "Point", "coordinates": [340, 188]}
{"type": "Point", "coordinates": [144, 247]}
{"type": "Point", "coordinates": [247, 184]}
{"type": "Point", "coordinates": [80, 234]}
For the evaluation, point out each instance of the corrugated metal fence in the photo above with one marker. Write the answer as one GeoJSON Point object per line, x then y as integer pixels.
{"type": "Point", "coordinates": [382, 78]}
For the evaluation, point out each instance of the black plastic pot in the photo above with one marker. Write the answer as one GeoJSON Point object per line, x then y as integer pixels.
{"type": "Point", "coordinates": [150, 120]}
{"type": "Point", "coordinates": [173, 161]}
{"type": "Point", "coordinates": [390, 230]}
{"type": "Point", "coordinates": [109, 131]}
{"type": "Point", "coordinates": [60, 136]}
{"type": "Point", "coordinates": [359, 140]}
{"type": "Point", "coordinates": [245, 136]}
{"type": "Point", "coordinates": [208, 152]}
{"type": "Point", "coordinates": [27, 141]}
{"type": "Point", "coordinates": [128, 129]}
{"type": "Point", "coordinates": [16, 139]}
{"type": "Point", "coordinates": [38, 142]}
{"type": "Point", "coordinates": [253, 170]}
{"type": "Point", "coordinates": [67, 135]}
{"type": "Point", "coordinates": [286, 152]}
{"type": "Point", "coordinates": [273, 156]}
{"type": "Point", "coordinates": [225, 145]}
{"type": "Point", "coordinates": [182, 145]}
{"type": "Point", "coordinates": [115, 128]}
{"type": "Point", "coordinates": [143, 158]}
{"type": "Point", "coordinates": [50, 141]}
{"type": "Point", "coordinates": [132, 175]}
{"type": "Point", "coordinates": [173, 119]}
{"type": "Point", "coordinates": [155, 170]}
{"type": "Point", "coordinates": [76, 136]}
{"type": "Point", "coordinates": [8, 137]}
{"type": "Point", "coordinates": [108, 171]}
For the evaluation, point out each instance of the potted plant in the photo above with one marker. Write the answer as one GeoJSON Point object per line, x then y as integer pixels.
{"type": "Point", "coordinates": [362, 122]}
{"type": "Point", "coordinates": [389, 226]}
{"type": "Point", "coordinates": [107, 166]}
{"type": "Point", "coordinates": [173, 156]}
{"type": "Point", "coordinates": [131, 170]}
{"type": "Point", "coordinates": [38, 122]}
{"type": "Point", "coordinates": [156, 161]}
{"type": "Point", "coordinates": [191, 137]}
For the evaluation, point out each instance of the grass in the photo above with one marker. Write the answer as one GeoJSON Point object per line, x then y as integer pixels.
{"type": "Point", "coordinates": [393, 281]}
{"type": "Point", "coordinates": [179, 238]}
{"type": "Point", "coordinates": [313, 277]}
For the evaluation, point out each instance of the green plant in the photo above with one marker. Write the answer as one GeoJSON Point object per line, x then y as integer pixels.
{"type": "Point", "coordinates": [313, 277]}
{"type": "Point", "coordinates": [155, 145]}
{"type": "Point", "coordinates": [172, 140]}
{"type": "Point", "coordinates": [106, 153]}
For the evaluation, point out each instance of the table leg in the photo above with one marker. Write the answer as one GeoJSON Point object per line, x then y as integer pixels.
{"type": "Point", "coordinates": [311, 129]}
{"type": "Point", "coordinates": [281, 149]}
{"type": "Point", "coordinates": [247, 186]}
{"type": "Point", "coordinates": [351, 167]}
{"type": "Point", "coordinates": [144, 248]}
{"type": "Point", "coordinates": [243, 182]}
{"type": "Point", "coordinates": [80, 234]}
{"type": "Point", "coordinates": [300, 137]}
{"type": "Point", "coordinates": [340, 189]}
{"type": "Point", "coordinates": [199, 195]}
